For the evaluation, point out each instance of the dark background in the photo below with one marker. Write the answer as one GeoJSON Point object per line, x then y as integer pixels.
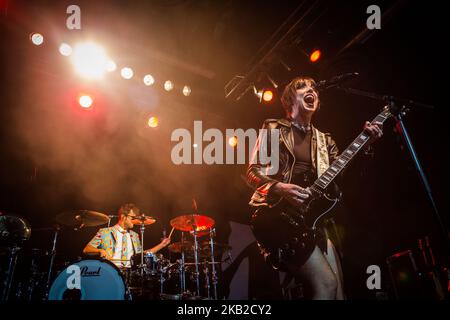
{"type": "Point", "coordinates": [57, 157]}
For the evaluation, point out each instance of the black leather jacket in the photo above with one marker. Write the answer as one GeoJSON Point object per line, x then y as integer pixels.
{"type": "Point", "coordinates": [261, 182]}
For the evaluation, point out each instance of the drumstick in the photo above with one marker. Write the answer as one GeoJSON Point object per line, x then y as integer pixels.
{"type": "Point", "coordinates": [170, 234]}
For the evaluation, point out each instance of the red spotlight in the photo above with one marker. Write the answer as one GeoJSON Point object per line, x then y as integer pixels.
{"type": "Point", "coordinates": [315, 56]}
{"type": "Point", "coordinates": [85, 101]}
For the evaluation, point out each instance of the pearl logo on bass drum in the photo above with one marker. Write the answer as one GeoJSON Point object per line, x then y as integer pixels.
{"type": "Point", "coordinates": [85, 272]}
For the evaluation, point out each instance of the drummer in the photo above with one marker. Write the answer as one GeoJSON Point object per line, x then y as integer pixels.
{"type": "Point", "coordinates": [119, 243]}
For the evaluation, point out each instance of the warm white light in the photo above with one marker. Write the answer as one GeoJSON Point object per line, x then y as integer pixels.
{"type": "Point", "coordinates": [89, 60]}
{"type": "Point", "coordinates": [233, 141]}
{"type": "Point", "coordinates": [37, 39]}
{"type": "Point", "coordinates": [85, 101]}
{"type": "Point", "coordinates": [195, 145]}
{"type": "Point", "coordinates": [186, 90]}
{"type": "Point", "coordinates": [127, 73]}
{"type": "Point", "coordinates": [65, 49]}
{"type": "Point", "coordinates": [153, 122]}
{"type": "Point", "coordinates": [168, 85]}
{"type": "Point", "coordinates": [111, 66]}
{"type": "Point", "coordinates": [148, 80]}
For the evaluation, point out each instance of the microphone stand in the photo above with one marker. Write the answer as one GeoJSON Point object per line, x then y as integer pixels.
{"type": "Point", "coordinates": [398, 108]}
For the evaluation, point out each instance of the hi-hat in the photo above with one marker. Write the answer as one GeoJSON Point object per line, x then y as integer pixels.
{"type": "Point", "coordinates": [192, 222]}
{"type": "Point", "coordinates": [85, 218]}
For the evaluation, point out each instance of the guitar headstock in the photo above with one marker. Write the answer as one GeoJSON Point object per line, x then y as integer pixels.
{"type": "Point", "coordinates": [386, 112]}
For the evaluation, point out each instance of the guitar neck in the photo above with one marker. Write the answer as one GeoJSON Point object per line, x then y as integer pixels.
{"type": "Point", "coordinates": [341, 162]}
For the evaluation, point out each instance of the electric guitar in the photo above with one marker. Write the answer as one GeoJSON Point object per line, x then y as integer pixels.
{"type": "Point", "coordinates": [319, 203]}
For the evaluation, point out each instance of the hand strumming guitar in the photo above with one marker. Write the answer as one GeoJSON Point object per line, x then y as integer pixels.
{"type": "Point", "coordinates": [294, 194]}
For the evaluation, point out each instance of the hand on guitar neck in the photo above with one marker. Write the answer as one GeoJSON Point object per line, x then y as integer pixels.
{"type": "Point", "coordinates": [294, 194]}
{"type": "Point", "coordinates": [375, 130]}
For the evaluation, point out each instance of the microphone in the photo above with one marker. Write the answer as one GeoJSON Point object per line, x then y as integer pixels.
{"type": "Point", "coordinates": [336, 81]}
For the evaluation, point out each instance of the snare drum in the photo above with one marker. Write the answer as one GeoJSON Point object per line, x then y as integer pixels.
{"type": "Point", "coordinates": [98, 280]}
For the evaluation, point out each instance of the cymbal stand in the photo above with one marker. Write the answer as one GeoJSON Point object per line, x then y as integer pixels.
{"type": "Point", "coordinates": [207, 282]}
{"type": "Point", "coordinates": [212, 232]}
{"type": "Point", "coordinates": [52, 259]}
{"type": "Point", "coordinates": [109, 219]}
{"type": "Point", "coordinates": [10, 272]}
{"type": "Point", "coordinates": [197, 274]}
{"type": "Point", "coordinates": [142, 230]}
{"type": "Point", "coordinates": [182, 267]}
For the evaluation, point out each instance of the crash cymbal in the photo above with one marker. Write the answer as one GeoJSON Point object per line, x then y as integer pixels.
{"type": "Point", "coordinates": [146, 220]}
{"type": "Point", "coordinates": [177, 246]}
{"type": "Point", "coordinates": [192, 222]}
{"type": "Point", "coordinates": [85, 218]}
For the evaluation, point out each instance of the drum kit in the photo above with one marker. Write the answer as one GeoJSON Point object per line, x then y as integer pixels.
{"type": "Point", "coordinates": [191, 273]}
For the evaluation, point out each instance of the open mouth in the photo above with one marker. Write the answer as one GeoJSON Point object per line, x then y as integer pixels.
{"type": "Point", "coordinates": [309, 99]}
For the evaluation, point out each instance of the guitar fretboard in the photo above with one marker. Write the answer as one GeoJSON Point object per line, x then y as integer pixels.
{"type": "Point", "coordinates": [345, 157]}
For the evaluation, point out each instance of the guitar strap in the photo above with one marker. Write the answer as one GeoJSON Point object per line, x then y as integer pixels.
{"type": "Point", "coordinates": [323, 161]}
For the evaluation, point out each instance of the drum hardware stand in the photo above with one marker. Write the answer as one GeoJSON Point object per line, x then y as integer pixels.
{"type": "Point", "coordinates": [109, 219]}
{"type": "Point", "coordinates": [10, 272]}
{"type": "Point", "coordinates": [34, 277]}
{"type": "Point", "coordinates": [207, 282]}
{"type": "Point", "coordinates": [197, 274]}
{"type": "Point", "coordinates": [141, 266]}
{"type": "Point", "coordinates": [142, 229]}
{"type": "Point", "coordinates": [52, 259]}
{"type": "Point", "coordinates": [182, 267]}
{"type": "Point", "coordinates": [212, 232]}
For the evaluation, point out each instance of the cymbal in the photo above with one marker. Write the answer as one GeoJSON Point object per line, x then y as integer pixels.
{"type": "Point", "coordinates": [192, 222]}
{"type": "Point", "coordinates": [85, 218]}
{"type": "Point", "coordinates": [146, 220]}
{"type": "Point", "coordinates": [14, 229]}
{"type": "Point", "coordinates": [177, 246]}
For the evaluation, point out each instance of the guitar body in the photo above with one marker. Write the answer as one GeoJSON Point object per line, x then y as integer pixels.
{"type": "Point", "coordinates": [284, 224]}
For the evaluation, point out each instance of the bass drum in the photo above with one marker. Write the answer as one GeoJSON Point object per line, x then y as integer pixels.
{"type": "Point", "coordinates": [99, 280]}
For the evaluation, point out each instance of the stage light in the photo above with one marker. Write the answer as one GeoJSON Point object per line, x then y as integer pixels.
{"type": "Point", "coordinates": [89, 60]}
{"type": "Point", "coordinates": [127, 73]}
{"type": "Point", "coordinates": [85, 101]}
{"type": "Point", "coordinates": [233, 141]}
{"type": "Point", "coordinates": [186, 90]}
{"type": "Point", "coordinates": [65, 49]}
{"type": "Point", "coordinates": [315, 56]}
{"type": "Point", "coordinates": [168, 85]}
{"type": "Point", "coordinates": [111, 66]}
{"type": "Point", "coordinates": [148, 80]}
{"type": "Point", "coordinates": [153, 122]}
{"type": "Point", "coordinates": [37, 39]}
{"type": "Point", "coordinates": [267, 95]}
